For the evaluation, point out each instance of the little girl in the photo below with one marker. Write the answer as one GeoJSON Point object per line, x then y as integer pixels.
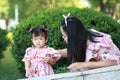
{"type": "Point", "coordinates": [38, 59]}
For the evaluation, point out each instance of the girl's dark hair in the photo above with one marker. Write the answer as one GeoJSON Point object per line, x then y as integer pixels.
{"type": "Point", "coordinates": [38, 31]}
{"type": "Point", "coordinates": [77, 39]}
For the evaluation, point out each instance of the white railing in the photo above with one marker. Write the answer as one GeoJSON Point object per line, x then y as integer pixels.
{"type": "Point", "coordinates": [107, 73]}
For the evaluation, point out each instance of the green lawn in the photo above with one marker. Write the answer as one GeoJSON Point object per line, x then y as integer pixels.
{"type": "Point", "coordinates": [8, 67]}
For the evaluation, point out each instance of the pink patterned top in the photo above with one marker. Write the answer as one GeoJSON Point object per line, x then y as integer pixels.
{"type": "Point", "coordinates": [36, 57]}
{"type": "Point", "coordinates": [105, 49]}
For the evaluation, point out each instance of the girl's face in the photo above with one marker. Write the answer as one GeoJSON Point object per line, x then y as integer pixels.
{"type": "Point", "coordinates": [64, 35]}
{"type": "Point", "coordinates": [39, 41]}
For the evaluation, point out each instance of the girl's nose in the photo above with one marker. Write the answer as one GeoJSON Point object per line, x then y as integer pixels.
{"type": "Point", "coordinates": [38, 40]}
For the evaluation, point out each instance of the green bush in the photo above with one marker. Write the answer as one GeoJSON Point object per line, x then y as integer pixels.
{"type": "Point", "coordinates": [4, 41]}
{"type": "Point", "coordinates": [52, 18]}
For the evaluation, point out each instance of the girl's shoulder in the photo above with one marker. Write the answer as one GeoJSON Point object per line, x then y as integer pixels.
{"type": "Point", "coordinates": [49, 48]}
{"type": "Point", "coordinates": [29, 49]}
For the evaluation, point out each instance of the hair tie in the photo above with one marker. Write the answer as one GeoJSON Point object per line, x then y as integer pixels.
{"type": "Point", "coordinates": [46, 29]}
{"type": "Point", "coordinates": [65, 17]}
{"type": "Point", "coordinates": [30, 30]}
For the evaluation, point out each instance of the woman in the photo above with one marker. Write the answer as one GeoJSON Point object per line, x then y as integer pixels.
{"type": "Point", "coordinates": [87, 49]}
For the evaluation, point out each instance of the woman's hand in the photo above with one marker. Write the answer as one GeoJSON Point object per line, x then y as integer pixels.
{"type": "Point", "coordinates": [77, 66]}
{"type": "Point", "coordinates": [63, 52]}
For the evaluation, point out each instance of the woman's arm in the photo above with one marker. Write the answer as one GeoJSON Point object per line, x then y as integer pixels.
{"type": "Point", "coordinates": [101, 64]}
{"type": "Point", "coordinates": [91, 65]}
{"type": "Point", "coordinates": [63, 52]}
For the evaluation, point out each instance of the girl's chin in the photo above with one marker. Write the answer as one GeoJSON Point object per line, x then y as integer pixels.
{"type": "Point", "coordinates": [40, 46]}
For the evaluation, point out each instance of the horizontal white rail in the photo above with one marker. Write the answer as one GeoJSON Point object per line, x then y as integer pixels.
{"type": "Point", "coordinates": [106, 73]}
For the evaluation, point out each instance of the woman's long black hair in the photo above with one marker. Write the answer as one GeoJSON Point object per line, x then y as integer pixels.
{"type": "Point", "coordinates": [77, 39]}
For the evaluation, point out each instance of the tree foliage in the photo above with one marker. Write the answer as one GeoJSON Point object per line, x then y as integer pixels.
{"type": "Point", "coordinates": [111, 7]}
{"type": "Point", "coordinates": [27, 7]}
{"type": "Point", "coordinates": [4, 41]}
{"type": "Point", "coordinates": [4, 9]}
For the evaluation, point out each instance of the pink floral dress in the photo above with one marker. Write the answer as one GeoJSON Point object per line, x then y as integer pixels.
{"type": "Point", "coordinates": [36, 57]}
{"type": "Point", "coordinates": [105, 49]}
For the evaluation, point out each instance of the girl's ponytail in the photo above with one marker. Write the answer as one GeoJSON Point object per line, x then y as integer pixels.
{"type": "Point", "coordinates": [45, 28]}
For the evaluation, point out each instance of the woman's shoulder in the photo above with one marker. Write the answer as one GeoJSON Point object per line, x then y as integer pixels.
{"type": "Point", "coordinates": [102, 33]}
{"type": "Point", "coordinates": [105, 40]}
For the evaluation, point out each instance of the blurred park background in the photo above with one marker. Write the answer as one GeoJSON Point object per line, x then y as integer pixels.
{"type": "Point", "coordinates": [16, 14]}
{"type": "Point", "coordinates": [13, 11]}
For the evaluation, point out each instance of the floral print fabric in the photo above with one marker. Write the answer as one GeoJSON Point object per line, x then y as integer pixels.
{"type": "Point", "coordinates": [105, 49]}
{"type": "Point", "coordinates": [36, 57]}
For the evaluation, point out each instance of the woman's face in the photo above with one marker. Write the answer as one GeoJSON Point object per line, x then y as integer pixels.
{"type": "Point", "coordinates": [64, 35]}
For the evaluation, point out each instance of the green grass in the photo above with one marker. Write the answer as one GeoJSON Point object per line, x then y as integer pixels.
{"type": "Point", "coordinates": [8, 67]}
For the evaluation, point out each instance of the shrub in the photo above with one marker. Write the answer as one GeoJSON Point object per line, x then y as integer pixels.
{"type": "Point", "coordinates": [52, 18]}
{"type": "Point", "coordinates": [4, 41]}
{"type": "Point", "coordinates": [10, 37]}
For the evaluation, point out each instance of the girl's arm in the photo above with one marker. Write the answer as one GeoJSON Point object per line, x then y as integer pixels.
{"type": "Point", "coordinates": [27, 65]}
{"type": "Point", "coordinates": [27, 68]}
{"type": "Point", "coordinates": [63, 52]}
{"type": "Point", "coordinates": [91, 65]}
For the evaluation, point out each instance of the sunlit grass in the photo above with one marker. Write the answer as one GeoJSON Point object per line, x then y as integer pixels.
{"type": "Point", "coordinates": [8, 67]}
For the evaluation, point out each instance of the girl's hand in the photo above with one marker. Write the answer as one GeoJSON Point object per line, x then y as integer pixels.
{"type": "Point", "coordinates": [50, 60]}
{"type": "Point", "coordinates": [47, 59]}
{"type": "Point", "coordinates": [77, 66]}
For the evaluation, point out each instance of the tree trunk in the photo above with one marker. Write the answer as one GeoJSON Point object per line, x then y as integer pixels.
{"type": "Point", "coordinates": [102, 6]}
